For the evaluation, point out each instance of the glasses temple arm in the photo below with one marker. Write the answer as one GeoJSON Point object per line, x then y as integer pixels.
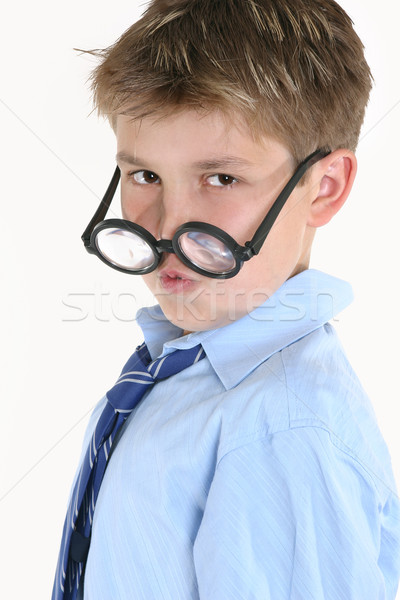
{"type": "Point", "coordinates": [258, 239]}
{"type": "Point", "coordinates": [102, 208]}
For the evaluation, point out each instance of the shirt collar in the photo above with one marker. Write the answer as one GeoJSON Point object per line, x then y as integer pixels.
{"type": "Point", "coordinates": [301, 305]}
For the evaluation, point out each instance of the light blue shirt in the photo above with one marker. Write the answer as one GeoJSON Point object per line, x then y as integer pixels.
{"type": "Point", "coordinates": [257, 473]}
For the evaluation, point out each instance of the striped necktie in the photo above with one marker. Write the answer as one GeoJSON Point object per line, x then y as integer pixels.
{"type": "Point", "coordinates": [137, 376]}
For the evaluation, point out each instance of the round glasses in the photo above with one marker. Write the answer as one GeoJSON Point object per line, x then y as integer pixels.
{"type": "Point", "coordinates": [202, 247]}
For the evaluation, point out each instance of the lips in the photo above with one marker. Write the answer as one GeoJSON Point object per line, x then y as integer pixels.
{"type": "Point", "coordinates": [173, 280]}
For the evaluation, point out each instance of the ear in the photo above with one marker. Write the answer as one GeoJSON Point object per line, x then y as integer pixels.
{"type": "Point", "coordinates": [333, 178]}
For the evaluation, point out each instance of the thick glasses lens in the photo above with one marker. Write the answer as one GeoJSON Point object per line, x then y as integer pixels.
{"type": "Point", "coordinates": [207, 252]}
{"type": "Point", "coordinates": [125, 249]}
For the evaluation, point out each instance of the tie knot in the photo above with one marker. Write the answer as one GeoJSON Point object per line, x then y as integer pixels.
{"type": "Point", "coordinates": [174, 362]}
{"type": "Point", "coordinates": [140, 373]}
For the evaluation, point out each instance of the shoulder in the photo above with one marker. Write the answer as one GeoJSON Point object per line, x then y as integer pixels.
{"type": "Point", "coordinates": [308, 516]}
{"type": "Point", "coordinates": [308, 394]}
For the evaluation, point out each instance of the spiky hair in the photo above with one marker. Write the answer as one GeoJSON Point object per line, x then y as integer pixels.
{"type": "Point", "coordinates": [291, 69]}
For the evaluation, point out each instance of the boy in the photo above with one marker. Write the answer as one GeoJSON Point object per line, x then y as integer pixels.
{"type": "Point", "coordinates": [257, 470]}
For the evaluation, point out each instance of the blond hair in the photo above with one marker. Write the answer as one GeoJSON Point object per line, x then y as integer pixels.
{"type": "Point", "coordinates": [291, 69]}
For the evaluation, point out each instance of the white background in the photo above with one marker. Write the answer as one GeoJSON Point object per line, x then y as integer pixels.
{"type": "Point", "coordinates": [67, 322]}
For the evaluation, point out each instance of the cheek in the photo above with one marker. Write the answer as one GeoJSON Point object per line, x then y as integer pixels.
{"type": "Point", "coordinates": [151, 281]}
{"type": "Point", "coordinates": [243, 220]}
{"type": "Point", "coordinates": [146, 214]}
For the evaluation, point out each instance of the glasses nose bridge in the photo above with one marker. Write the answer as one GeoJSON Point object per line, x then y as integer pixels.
{"type": "Point", "coordinates": [165, 245]}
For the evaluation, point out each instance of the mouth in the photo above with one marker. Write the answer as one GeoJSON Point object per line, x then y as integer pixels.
{"type": "Point", "coordinates": [175, 281]}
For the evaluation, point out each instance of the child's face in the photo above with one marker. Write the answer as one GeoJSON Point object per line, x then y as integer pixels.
{"type": "Point", "coordinates": [188, 167]}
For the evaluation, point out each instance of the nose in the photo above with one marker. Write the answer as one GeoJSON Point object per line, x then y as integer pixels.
{"type": "Point", "coordinates": [174, 211]}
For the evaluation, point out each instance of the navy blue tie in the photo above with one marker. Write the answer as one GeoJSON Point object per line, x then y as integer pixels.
{"type": "Point", "coordinates": [137, 376]}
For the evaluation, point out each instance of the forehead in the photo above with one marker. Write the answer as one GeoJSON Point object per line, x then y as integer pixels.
{"type": "Point", "coordinates": [190, 136]}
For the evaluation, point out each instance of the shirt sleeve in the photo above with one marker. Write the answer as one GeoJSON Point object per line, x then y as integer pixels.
{"type": "Point", "coordinates": [293, 517]}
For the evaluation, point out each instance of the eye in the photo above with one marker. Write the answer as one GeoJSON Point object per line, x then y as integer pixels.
{"type": "Point", "coordinates": [221, 180]}
{"type": "Point", "coordinates": [145, 177]}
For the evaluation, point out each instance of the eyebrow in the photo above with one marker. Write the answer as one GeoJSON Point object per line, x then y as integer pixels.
{"type": "Point", "coordinates": [127, 158]}
{"type": "Point", "coordinates": [226, 160]}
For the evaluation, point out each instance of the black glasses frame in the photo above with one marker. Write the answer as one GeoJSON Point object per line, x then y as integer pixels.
{"type": "Point", "coordinates": [240, 253]}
